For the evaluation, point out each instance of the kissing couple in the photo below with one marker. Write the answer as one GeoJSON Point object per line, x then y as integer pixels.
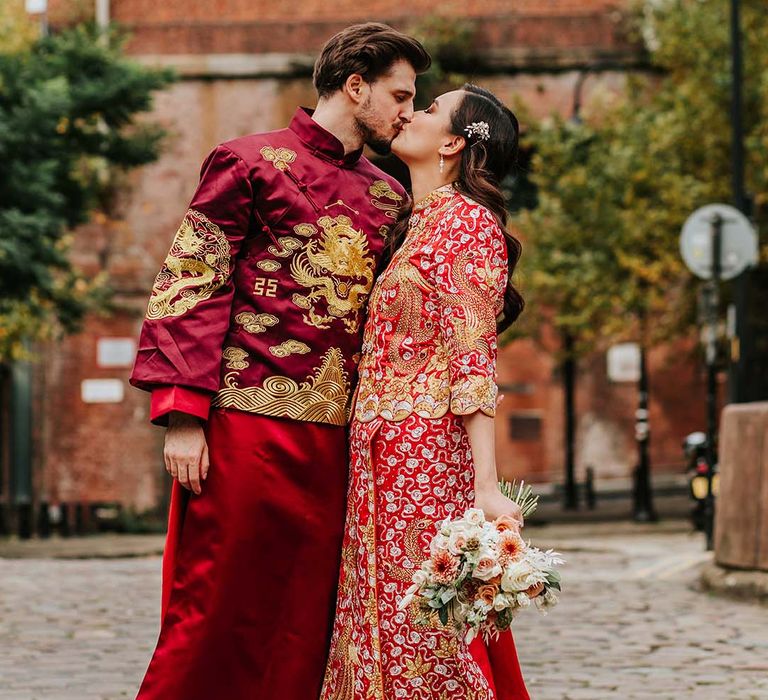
{"type": "Point", "coordinates": [321, 346]}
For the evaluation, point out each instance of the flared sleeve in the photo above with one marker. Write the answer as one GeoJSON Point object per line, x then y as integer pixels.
{"type": "Point", "coordinates": [471, 276]}
{"type": "Point", "coordinates": [180, 347]}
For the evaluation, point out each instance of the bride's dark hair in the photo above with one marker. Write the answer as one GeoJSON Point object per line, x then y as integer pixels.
{"type": "Point", "coordinates": [484, 164]}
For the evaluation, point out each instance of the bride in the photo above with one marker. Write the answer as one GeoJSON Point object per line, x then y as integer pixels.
{"type": "Point", "coordinates": [422, 436]}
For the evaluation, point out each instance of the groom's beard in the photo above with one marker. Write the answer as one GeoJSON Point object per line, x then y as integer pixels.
{"type": "Point", "coordinates": [366, 127]}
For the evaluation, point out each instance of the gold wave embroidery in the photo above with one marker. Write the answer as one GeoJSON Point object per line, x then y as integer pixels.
{"type": "Point", "coordinates": [321, 398]}
{"type": "Point", "coordinates": [338, 269]}
{"type": "Point", "coordinates": [290, 347]}
{"type": "Point", "coordinates": [381, 189]}
{"type": "Point", "coordinates": [281, 158]}
{"type": "Point", "coordinates": [236, 358]}
{"type": "Point", "coordinates": [268, 265]}
{"type": "Point", "coordinates": [255, 323]}
{"type": "Point", "coordinates": [197, 264]}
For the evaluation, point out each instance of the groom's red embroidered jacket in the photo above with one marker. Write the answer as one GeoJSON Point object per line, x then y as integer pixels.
{"type": "Point", "coordinates": [260, 302]}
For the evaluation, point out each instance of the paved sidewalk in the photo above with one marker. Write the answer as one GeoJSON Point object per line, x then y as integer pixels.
{"type": "Point", "coordinates": [631, 625]}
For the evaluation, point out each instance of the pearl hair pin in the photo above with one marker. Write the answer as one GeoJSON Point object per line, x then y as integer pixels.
{"type": "Point", "coordinates": [480, 130]}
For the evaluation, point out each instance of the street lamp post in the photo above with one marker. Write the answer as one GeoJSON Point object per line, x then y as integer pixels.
{"type": "Point", "coordinates": [712, 296]}
{"type": "Point", "coordinates": [740, 349]}
{"type": "Point", "coordinates": [643, 509]}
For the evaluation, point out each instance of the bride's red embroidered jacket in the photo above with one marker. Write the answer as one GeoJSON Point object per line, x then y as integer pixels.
{"type": "Point", "coordinates": [260, 302]}
{"type": "Point", "coordinates": [430, 339]}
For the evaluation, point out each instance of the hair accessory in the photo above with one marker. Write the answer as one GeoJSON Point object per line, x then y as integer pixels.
{"type": "Point", "coordinates": [480, 130]}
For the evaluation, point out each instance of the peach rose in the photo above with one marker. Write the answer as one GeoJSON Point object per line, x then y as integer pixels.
{"type": "Point", "coordinates": [487, 593]}
{"type": "Point", "coordinates": [535, 590]}
{"type": "Point", "coordinates": [506, 522]}
{"type": "Point", "coordinates": [487, 568]}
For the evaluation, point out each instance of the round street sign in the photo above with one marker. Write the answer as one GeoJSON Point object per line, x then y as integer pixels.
{"type": "Point", "coordinates": [739, 242]}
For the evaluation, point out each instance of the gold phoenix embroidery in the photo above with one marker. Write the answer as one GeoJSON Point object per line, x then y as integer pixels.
{"type": "Point", "coordinates": [290, 347]}
{"type": "Point", "coordinates": [197, 264]}
{"type": "Point", "coordinates": [235, 357]}
{"type": "Point", "coordinates": [255, 323]}
{"type": "Point", "coordinates": [268, 265]}
{"type": "Point", "coordinates": [281, 158]}
{"type": "Point", "coordinates": [381, 190]}
{"type": "Point", "coordinates": [337, 268]}
{"type": "Point", "coordinates": [321, 398]}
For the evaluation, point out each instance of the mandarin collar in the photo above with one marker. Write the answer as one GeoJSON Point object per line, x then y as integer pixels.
{"type": "Point", "coordinates": [322, 143]}
{"type": "Point", "coordinates": [437, 195]}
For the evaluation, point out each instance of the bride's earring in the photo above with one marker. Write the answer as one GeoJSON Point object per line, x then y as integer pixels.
{"type": "Point", "coordinates": [442, 163]}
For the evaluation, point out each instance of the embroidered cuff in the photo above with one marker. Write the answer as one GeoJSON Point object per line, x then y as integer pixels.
{"type": "Point", "coordinates": [178, 398]}
{"type": "Point", "coordinates": [476, 392]}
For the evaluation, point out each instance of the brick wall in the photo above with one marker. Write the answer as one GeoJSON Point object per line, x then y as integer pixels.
{"type": "Point", "coordinates": [109, 452]}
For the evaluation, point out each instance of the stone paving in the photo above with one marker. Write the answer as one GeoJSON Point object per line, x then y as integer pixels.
{"type": "Point", "coordinates": [631, 625]}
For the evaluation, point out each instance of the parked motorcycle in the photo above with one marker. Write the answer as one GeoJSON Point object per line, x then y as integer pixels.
{"type": "Point", "coordinates": [697, 471]}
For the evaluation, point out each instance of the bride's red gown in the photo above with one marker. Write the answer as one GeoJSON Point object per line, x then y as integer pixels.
{"type": "Point", "coordinates": [428, 359]}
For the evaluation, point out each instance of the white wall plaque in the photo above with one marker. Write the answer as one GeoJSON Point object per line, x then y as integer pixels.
{"type": "Point", "coordinates": [115, 352]}
{"type": "Point", "coordinates": [624, 362]}
{"type": "Point", "coordinates": [102, 390]}
{"type": "Point", "coordinates": [36, 7]}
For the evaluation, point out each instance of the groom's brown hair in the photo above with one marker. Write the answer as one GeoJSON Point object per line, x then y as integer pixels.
{"type": "Point", "coordinates": [368, 50]}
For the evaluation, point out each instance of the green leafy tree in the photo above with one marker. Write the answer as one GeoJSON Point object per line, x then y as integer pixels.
{"type": "Point", "coordinates": [615, 191]}
{"type": "Point", "coordinates": [68, 126]}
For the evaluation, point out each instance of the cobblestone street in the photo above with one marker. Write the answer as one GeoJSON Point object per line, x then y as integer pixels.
{"type": "Point", "coordinates": [630, 625]}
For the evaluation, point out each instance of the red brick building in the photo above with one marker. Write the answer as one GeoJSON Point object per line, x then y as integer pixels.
{"type": "Point", "coordinates": [244, 66]}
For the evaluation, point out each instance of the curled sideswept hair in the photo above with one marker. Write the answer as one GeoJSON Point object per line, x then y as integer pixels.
{"type": "Point", "coordinates": [485, 161]}
{"type": "Point", "coordinates": [369, 50]}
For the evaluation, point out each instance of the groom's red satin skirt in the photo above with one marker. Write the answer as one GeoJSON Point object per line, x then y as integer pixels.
{"type": "Point", "coordinates": [251, 565]}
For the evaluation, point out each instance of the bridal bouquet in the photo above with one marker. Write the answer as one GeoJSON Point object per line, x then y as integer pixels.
{"type": "Point", "coordinates": [480, 574]}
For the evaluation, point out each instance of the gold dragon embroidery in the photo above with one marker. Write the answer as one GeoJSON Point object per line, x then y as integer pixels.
{"type": "Point", "coordinates": [338, 269]}
{"type": "Point", "coordinates": [197, 264]}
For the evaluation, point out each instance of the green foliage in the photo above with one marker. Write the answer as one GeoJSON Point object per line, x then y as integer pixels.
{"type": "Point", "coordinates": [68, 108]}
{"type": "Point", "coordinates": [17, 30]}
{"type": "Point", "coordinates": [452, 43]}
{"type": "Point", "coordinates": [615, 191]}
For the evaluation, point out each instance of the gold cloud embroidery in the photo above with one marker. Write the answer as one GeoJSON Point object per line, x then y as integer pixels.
{"type": "Point", "coordinates": [287, 247]}
{"type": "Point", "coordinates": [236, 358]}
{"type": "Point", "coordinates": [268, 265]}
{"type": "Point", "coordinates": [290, 347]}
{"type": "Point", "coordinates": [380, 189]}
{"type": "Point", "coordinates": [281, 158]}
{"type": "Point", "coordinates": [255, 323]}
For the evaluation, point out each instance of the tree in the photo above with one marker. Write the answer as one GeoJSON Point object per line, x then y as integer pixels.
{"type": "Point", "coordinates": [614, 191]}
{"type": "Point", "coordinates": [68, 125]}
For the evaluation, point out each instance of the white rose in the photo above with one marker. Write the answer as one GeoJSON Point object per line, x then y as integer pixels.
{"type": "Point", "coordinates": [517, 577]}
{"type": "Point", "coordinates": [475, 516]}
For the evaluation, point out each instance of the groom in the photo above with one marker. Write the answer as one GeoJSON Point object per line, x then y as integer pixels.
{"type": "Point", "coordinates": [249, 347]}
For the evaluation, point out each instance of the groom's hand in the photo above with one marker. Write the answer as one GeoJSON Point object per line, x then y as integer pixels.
{"type": "Point", "coordinates": [186, 452]}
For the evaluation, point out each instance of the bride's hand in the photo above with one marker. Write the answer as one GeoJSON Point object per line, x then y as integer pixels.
{"type": "Point", "coordinates": [494, 504]}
